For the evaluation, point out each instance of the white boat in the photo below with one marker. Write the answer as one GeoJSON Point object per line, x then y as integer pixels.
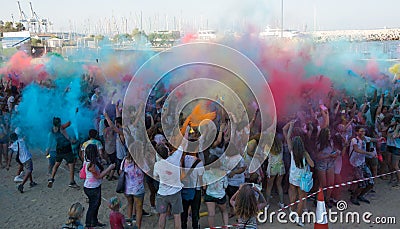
{"type": "Point", "coordinates": [206, 35]}
{"type": "Point", "coordinates": [276, 33]}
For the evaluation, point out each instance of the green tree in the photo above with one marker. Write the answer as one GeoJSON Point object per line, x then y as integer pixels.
{"type": "Point", "coordinates": [9, 27]}
{"type": "Point", "coordinates": [36, 42]}
{"type": "Point", "coordinates": [99, 37]}
{"type": "Point", "coordinates": [19, 26]}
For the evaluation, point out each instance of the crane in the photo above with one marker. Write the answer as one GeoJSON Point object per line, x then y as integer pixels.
{"type": "Point", "coordinates": [34, 20]}
{"type": "Point", "coordinates": [37, 22]}
{"type": "Point", "coordinates": [22, 16]}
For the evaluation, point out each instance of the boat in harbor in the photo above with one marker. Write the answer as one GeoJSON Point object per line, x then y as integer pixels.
{"type": "Point", "coordinates": [277, 33]}
{"type": "Point", "coordinates": [206, 35]}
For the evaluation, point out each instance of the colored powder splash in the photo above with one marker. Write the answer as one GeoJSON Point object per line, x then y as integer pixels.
{"type": "Point", "coordinates": [22, 69]}
{"type": "Point", "coordinates": [197, 116]}
{"type": "Point", "coordinates": [297, 71]}
{"type": "Point", "coordinates": [39, 105]}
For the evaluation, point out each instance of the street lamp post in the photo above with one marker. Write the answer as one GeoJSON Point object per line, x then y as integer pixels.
{"type": "Point", "coordinates": [282, 19]}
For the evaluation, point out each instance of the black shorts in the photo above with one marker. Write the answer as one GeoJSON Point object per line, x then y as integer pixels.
{"type": "Point", "coordinates": [221, 201]}
{"type": "Point", "coordinates": [231, 190]}
{"type": "Point", "coordinates": [69, 157]}
{"type": "Point", "coordinates": [113, 160]}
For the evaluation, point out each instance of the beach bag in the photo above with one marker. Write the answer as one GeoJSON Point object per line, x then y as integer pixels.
{"type": "Point", "coordinates": [121, 180]}
{"type": "Point", "coordinates": [82, 172]}
{"type": "Point", "coordinates": [189, 193]}
{"type": "Point", "coordinates": [306, 179]}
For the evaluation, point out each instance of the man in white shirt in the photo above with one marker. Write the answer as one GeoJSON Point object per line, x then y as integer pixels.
{"type": "Point", "coordinates": [357, 153]}
{"type": "Point", "coordinates": [168, 172]}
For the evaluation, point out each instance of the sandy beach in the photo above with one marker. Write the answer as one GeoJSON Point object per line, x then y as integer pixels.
{"type": "Point", "coordinates": [42, 207]}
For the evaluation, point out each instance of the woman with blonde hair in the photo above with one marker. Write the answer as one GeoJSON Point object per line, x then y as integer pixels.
{"type": "Point", "coordinates": [275, 169]}
{"type": "Point", "coordinates": [75, 213]}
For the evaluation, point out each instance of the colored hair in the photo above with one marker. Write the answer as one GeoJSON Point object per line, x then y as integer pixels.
{"type": "Point", "coordinates": [114, 203]}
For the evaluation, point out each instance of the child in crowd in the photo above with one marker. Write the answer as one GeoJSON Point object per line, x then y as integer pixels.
{"type": "Point", "coordinates": [117, 220]}
{"type": "Point", "coordinates": [75, 213]}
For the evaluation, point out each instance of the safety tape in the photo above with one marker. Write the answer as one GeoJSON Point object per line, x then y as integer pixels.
{"type": "Point", "coordinates": [313, 194]}
{"type": "Point", "coordinates": [336, 186]}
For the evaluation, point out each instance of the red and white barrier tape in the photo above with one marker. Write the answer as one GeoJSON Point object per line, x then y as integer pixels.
{"type": "Point", "coordinates": [313, 194]}
{"type": "Point", "coordinates": [337, 186]}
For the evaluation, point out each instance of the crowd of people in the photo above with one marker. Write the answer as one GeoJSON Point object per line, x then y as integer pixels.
{"type": "Point", "coordinates": [338, 138]}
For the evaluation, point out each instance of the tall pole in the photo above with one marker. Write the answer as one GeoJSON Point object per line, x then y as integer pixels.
{"type": "Point", "coordinates": [282, 19]}
{"type": "Point", "coordinates": [141, 21]}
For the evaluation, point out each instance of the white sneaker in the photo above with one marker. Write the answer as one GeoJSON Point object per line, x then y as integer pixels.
{"type": "Point", "coordinates": [18, 179]}
{"type": "Point", "coordinates": [299, 223]}
{"type": "Point", "coordinates": [153, 210]}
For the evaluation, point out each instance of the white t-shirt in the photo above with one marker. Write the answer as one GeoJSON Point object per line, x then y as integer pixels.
{"type": "Point", "coordinates": [233, 163]}
{"type": "Point", "coordinates": [169, 174]}
{"type": "Point", "coordinates": [217, 188]}
{"type": "Point", "coordinates": [24, 154]}
{"type": "Point", "coordinates": [196, 175]}
{"type": "Point", "coordinates": [357, 159]}
{"type": "Point", "coordinates": [91, 181]}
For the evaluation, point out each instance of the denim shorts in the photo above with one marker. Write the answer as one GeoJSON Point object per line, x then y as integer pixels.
{"type": "Point", "coordinates": [140, 196]}
{"type": "Point", "coordinates": [28, 165]}
{"type": "Point", "coordinates": [324, 165]}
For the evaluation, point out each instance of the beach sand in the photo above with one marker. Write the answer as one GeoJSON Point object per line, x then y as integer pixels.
{"type": "Point", "coordinates": [42, 207]}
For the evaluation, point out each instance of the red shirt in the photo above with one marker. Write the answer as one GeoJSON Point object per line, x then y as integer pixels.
{"type": "Point", "coordinates": [117, 220]}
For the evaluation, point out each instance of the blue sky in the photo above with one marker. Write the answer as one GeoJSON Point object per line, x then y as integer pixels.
{"type": "Point", "coordinates": [97, 16]}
